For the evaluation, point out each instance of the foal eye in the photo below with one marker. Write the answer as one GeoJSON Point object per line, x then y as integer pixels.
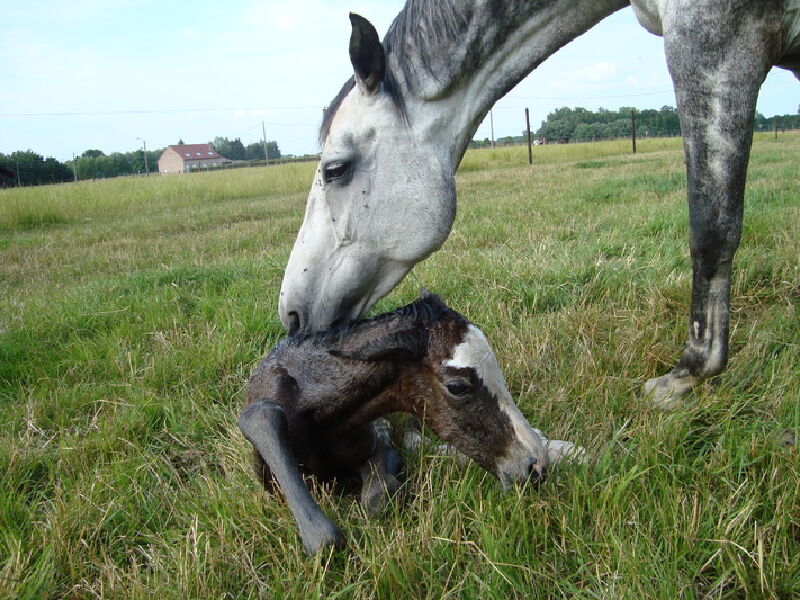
{"type": "Point", "coordinates": [336, 171]}
{"type": "Point", "coordinates": [459, 388]}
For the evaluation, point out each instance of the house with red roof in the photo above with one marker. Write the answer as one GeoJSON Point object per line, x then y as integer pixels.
{"type": "Point", "coordinates": [182, 158]}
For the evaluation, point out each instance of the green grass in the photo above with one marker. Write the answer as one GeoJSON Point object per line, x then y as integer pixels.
{"type": "Point", "coordinates": [132, 311]}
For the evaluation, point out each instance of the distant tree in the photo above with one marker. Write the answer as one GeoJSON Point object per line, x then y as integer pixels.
{"type": "Point", "coordinates": [33, 169]}
{"type": "Point", "coordinates": [566, 124]}
{"type": "Point", "coordinates": [255, 151]}
{"type": "Point", "coordinates": [557, 129]}
{"type": "Point", "coordinates": [180, 142]}
{"type": "Point", "coordinates": [8, 178]}
{"type": "Point", "coordinates": [237, 151]}
{"type": "Point", "coordinates": [222, 146]}
{"type": "Point", "coordinates": [93, 164]}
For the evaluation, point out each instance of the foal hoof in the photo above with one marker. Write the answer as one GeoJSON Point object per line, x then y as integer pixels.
{"type": "Point", "coordinates": [321, 538]}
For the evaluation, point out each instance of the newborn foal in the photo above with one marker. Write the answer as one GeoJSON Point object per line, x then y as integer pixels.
{"type": "Point", "coordinates": [312, 402]}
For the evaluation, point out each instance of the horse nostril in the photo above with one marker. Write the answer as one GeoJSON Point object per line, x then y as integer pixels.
{"type": "Point", "coordinates": [537, 473]}
{"type": "Point", "coordinates": [292, 322]}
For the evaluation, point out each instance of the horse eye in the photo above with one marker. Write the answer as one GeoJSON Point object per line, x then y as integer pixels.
{"type": "Point", "coordinates": [459, 388]}
{"type": "Point", "coordinates": [336, 171]}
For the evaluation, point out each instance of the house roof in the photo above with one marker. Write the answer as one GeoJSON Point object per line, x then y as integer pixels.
{"type": "Point", "coordinates": [194, 151]}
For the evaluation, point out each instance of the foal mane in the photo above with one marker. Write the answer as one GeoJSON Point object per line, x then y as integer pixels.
{"type": "Point", "coordinates": [420, 315]}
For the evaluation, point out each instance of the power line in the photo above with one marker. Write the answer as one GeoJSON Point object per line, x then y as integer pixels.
{"type": "Point", "coordinates": [150, 111]}
{"type": "Point", "coordinates": [585, 97]}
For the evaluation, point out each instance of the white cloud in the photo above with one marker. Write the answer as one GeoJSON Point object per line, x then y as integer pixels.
{"type": "Point", "coordinates": [599, 71]}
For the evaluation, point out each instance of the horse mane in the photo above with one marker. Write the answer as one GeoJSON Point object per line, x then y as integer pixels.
{"type": "Point", "coordinates": [427, 43]}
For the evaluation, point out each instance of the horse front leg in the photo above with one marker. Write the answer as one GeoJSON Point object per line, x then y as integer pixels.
{"type": "Point", "coordinates": [718, 63]}
{"type": "Point", "coordinates": [264, 424]}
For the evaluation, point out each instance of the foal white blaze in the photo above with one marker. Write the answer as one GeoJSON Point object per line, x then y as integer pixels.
{"type": "Point", "coordinates": [527, 451]}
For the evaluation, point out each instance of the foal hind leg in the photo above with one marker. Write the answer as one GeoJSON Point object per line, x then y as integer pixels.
{"type": "Point", "coordinates": [378, 473]}
{"type": "Point", "coordinates": [264, 424]}
{"type": "Point", "coordinates": [718, 63]}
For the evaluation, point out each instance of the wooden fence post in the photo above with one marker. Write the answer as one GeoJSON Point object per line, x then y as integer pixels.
{"type": "Point", "coordinates": [528, 125]}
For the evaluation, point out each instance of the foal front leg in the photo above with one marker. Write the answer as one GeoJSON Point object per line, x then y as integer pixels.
{"type": "Point", "coordinates": [264, 424]}
{"type": "Point", "coordinates": [717, 62]}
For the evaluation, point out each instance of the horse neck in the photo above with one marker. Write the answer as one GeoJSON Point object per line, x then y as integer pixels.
{"type": "Point", "coordinates": [453, 59]}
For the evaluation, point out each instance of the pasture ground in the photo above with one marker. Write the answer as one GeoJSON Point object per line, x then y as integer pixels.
{"type": "Point", "coordinates": [132, 311]}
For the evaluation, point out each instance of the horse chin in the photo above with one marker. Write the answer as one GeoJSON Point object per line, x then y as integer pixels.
{"type": "Point", "coordinates": [341, 301]}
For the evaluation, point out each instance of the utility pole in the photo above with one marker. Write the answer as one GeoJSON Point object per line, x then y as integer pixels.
{"type": "Point", "coordinates": [528, 125]}
{"type": "Point", "coordinates": [491, 122]}
{"type": "Point", "coordinates": [266, 152]}
{"type": "Point", "coordinates": [144, 153]}
{"type": "Point", "coordinates": [74, 168]}
{"type": "Point", "coordinates": [633, 129]}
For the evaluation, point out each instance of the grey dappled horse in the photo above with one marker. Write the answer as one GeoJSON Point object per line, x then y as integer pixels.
{"type": "Point", "coordinates": [384, 195]}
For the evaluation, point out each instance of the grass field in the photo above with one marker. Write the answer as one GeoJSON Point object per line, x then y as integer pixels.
{"type": "Point", "coordinates": [132, 310]}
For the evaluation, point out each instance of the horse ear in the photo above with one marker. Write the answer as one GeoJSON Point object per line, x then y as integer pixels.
{"type": "Point", "coordinates": [366, 54]}
{"type": "Point", "coordinates": [407, 345]}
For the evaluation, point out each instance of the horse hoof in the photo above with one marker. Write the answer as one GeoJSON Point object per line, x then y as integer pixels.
{"type": "Point", "coordinates": [665, 392]}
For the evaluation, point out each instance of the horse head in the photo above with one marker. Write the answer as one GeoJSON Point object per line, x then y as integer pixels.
{"type": "Point", "coordinates": [376, 175]}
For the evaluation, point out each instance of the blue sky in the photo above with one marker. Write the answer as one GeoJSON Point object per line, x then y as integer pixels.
{"type": "Point", "coordinates": [80, 74]}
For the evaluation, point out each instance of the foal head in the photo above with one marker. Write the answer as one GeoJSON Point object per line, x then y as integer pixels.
{"type": "Point", "coordinates": [450, 378]}
{"type": "Point", "coordinates": [471, 408]}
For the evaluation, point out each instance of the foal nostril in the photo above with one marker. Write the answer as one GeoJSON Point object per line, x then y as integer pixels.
{"type": "Point", "coordinates": [292, 322]}
{"type": "Point", "coordinates": [537, 473]}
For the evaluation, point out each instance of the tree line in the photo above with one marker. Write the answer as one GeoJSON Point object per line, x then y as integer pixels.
{"type": "Point", "coordinates": [565, 125]}
{"type": "Point", "coordinates": [27, 168]}
{"type": "Point", "coordinates": [235, 150]}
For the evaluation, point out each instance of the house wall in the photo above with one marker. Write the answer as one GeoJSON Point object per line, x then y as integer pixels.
{"type": "Point", "coordinates": [170, 162]}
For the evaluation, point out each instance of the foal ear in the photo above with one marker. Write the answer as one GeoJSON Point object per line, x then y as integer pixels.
{"type": "Point", "coordinates": [405, 345]}
{"type": "Point", "coordinates": [366, 54]}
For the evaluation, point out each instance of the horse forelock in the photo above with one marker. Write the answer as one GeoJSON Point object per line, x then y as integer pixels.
{"type": "Point", "coordinates": [390, 88]}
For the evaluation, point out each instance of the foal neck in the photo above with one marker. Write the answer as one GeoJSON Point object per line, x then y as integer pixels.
{"type": "Point", "coordinates": [453, 59]}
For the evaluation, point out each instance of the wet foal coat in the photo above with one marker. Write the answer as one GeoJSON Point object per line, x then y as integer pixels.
{"type": "Point", "coordinates": [312, 401]}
